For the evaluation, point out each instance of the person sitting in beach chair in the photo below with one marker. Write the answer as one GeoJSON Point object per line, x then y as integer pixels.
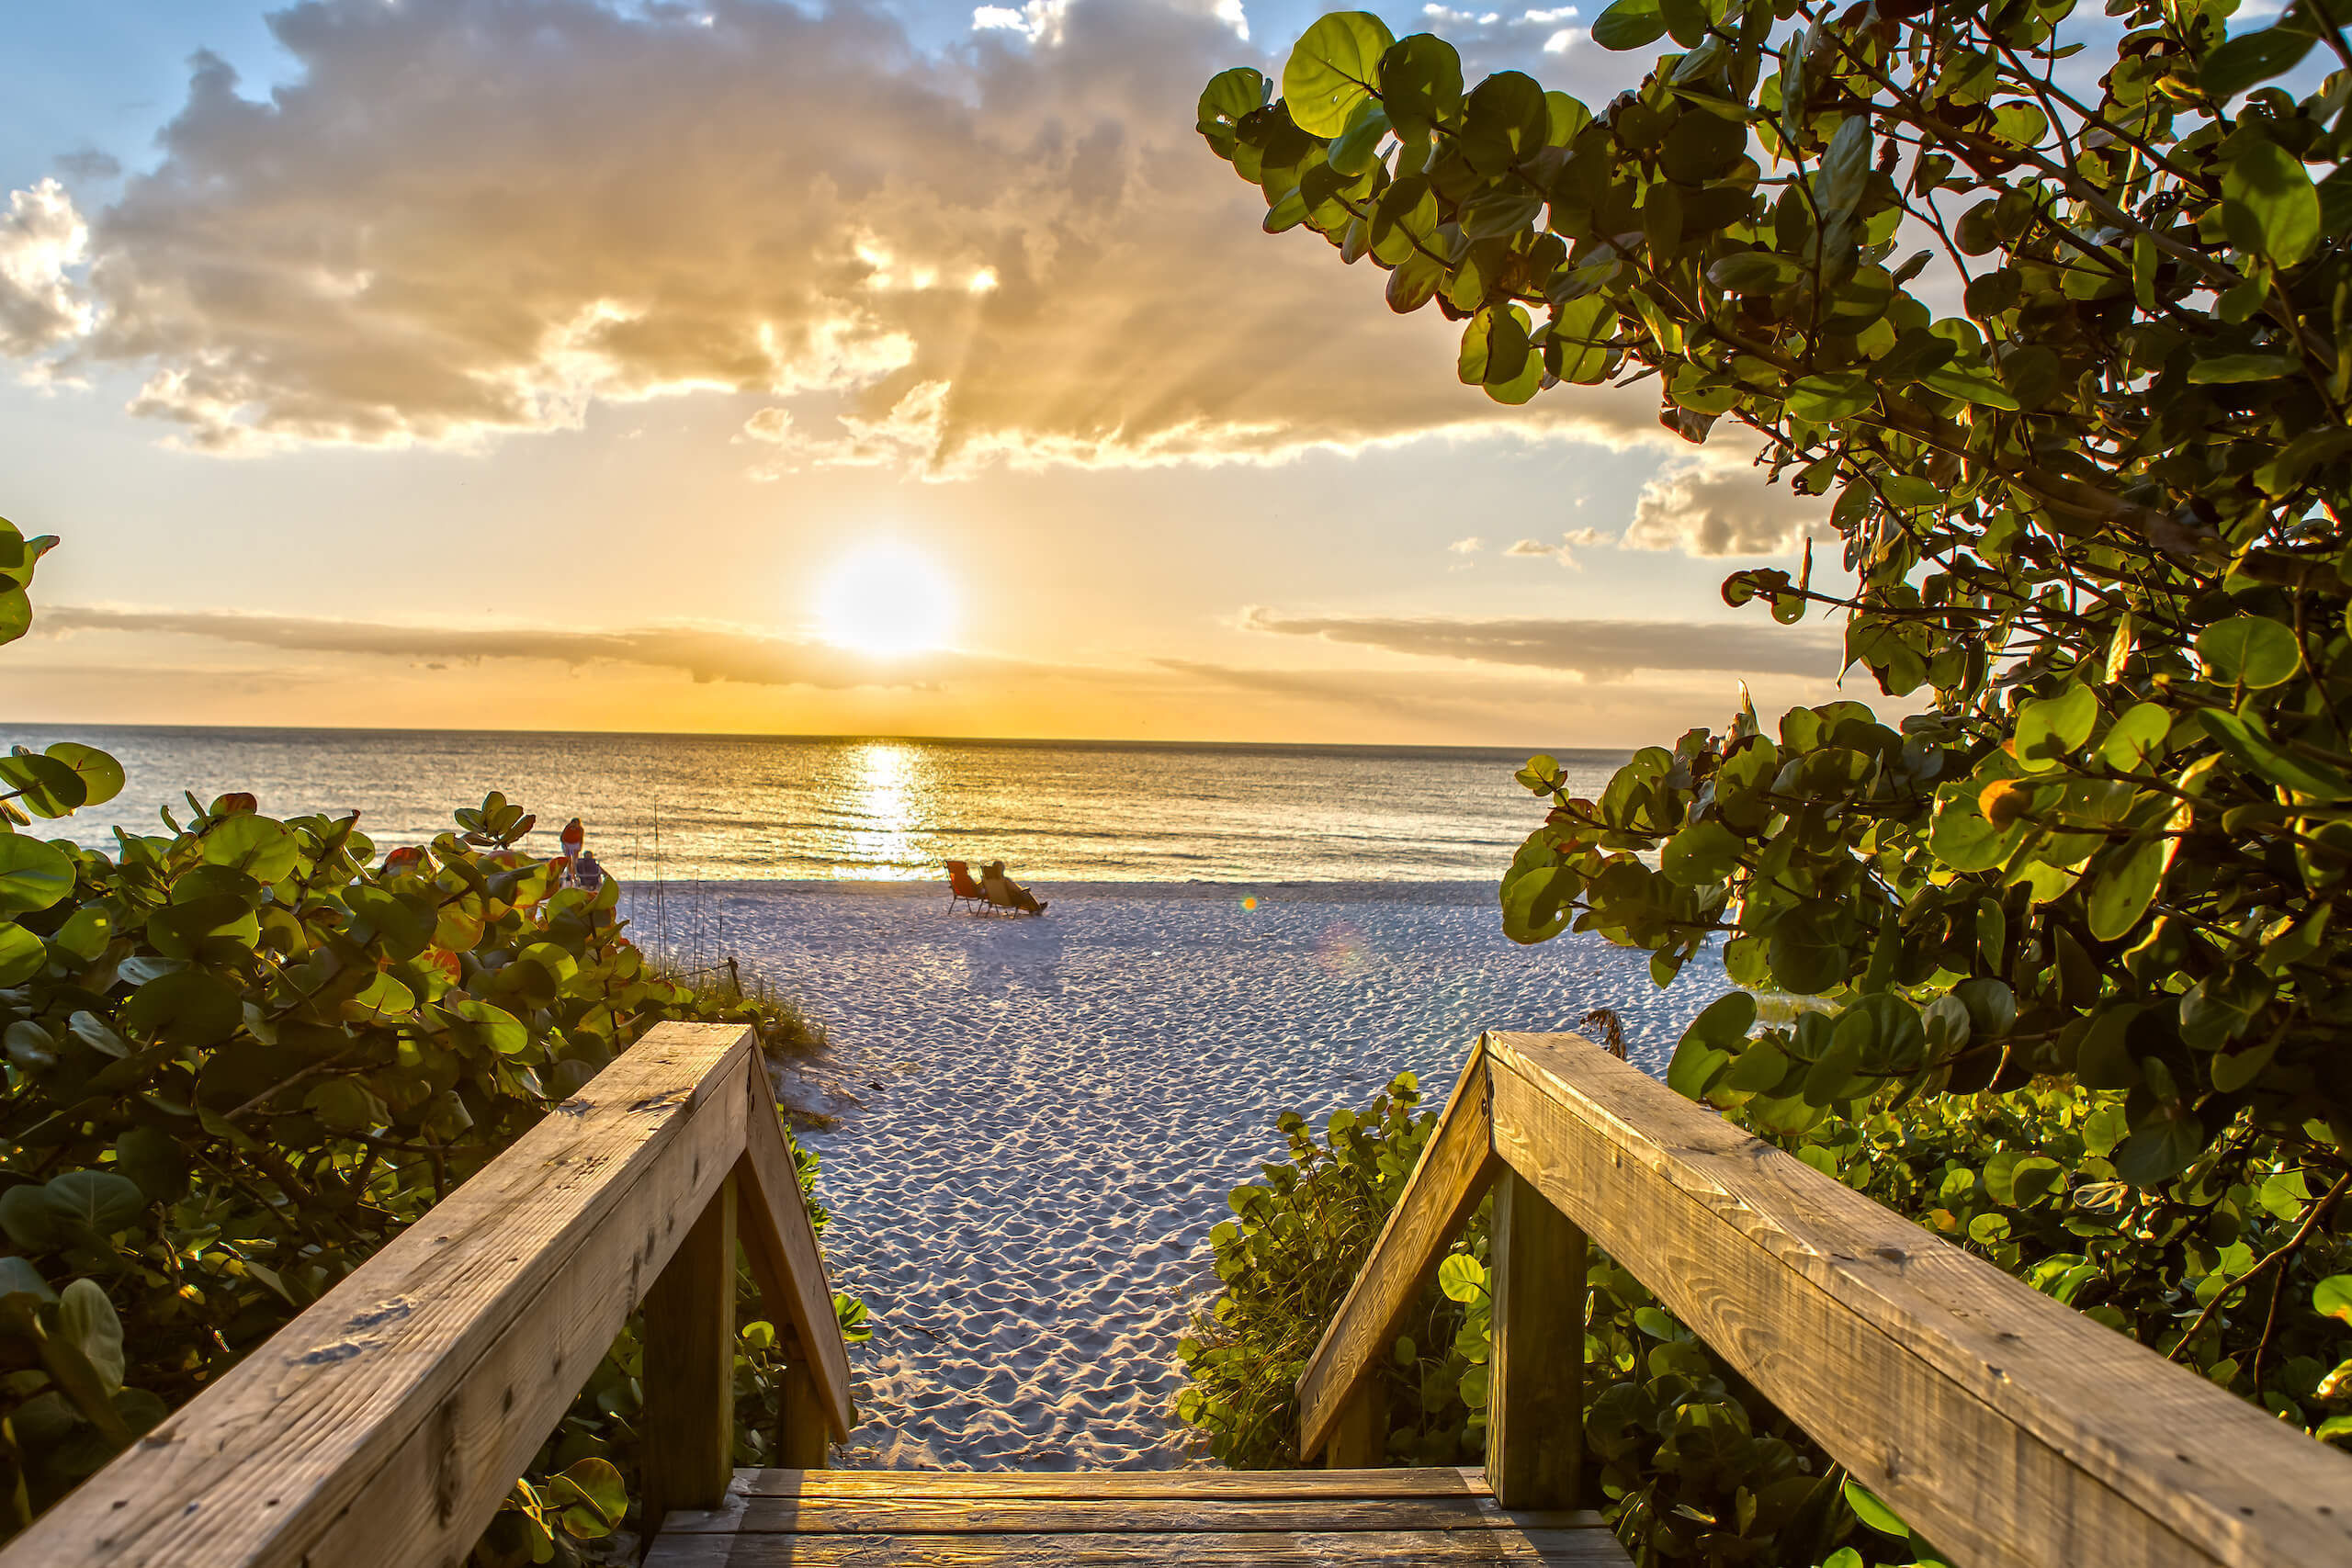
{"type": "Point", "coordinates": [1003, 893]}
{"type": "Point", "coordinates": [961, 889]}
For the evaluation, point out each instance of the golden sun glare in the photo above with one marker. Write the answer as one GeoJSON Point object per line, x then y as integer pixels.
{"type": "Point", "coordinates": [887, 601]}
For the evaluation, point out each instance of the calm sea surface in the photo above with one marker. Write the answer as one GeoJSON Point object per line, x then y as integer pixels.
{"type": "Point", "coordinates": [757, 807]}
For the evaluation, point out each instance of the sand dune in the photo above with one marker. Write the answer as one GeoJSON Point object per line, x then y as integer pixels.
{"type": "Point", "coordinates": [1039, 1119]}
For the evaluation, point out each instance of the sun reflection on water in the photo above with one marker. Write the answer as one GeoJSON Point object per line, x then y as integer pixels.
{"type": "Point", "coordinates": [885, 808]}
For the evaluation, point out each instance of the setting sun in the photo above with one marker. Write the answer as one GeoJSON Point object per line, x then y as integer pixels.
{"type": "Point", "coordinates": [886, 600]}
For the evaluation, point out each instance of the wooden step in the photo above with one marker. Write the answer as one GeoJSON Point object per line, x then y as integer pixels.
{"type": "Point", "coordinates": [917, 1518]}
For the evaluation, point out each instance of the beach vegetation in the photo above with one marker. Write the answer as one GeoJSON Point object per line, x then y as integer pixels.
{"type": "Point", "coordinates": [2062, 341]}
{"type": "Point", "coordinates": [1687, 1458]}
{"type": "Point", "coordinates": [242, 1053]}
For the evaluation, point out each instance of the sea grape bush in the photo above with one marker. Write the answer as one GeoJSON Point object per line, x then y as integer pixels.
{"type": "Point", "coordinates": [1689, 1462]}
{"type": "Point", "coordinates": [2091, 524]}
{"type": "Point", "coordinates": [244, 1054]}
{"type": "Point", "coordinates": [2092, 518]}
{"type": "Point", "coordinates": [1284, 1263]}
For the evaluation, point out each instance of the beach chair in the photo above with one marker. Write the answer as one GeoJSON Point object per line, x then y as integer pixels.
{"type": "Point", "coordinates": [1004, 895]}
{"type": "Point", "coordinates": [962, 889]}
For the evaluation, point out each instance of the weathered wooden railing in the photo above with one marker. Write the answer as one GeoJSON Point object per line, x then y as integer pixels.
{"type": "Point", "coordinates": [2005, 1426]}
{"type": "Point", "coordinates": [385, 1424]}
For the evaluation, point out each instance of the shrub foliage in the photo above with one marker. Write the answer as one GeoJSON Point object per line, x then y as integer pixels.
{"type": "Point", "coordinates": [242, 1054]}
{"type": "Point", "coordinates": [2065, 343]}
{"type": "Point", "coordinates": [1690, 1462]}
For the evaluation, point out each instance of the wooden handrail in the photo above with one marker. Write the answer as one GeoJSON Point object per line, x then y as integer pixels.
{"type": "Point", "coordinates": [2004, 1426]}
{"type": "Point", "coordinates": [384, 1424]}
{"type": "Point", "coordinates": [1455, 1166]}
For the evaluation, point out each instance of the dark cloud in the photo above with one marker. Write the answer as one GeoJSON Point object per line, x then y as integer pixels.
{"type": "Point", "coordinates": [1595, 649]}
{"type": "Point", "coordinates": [704, 653]}
{"type": "Point", "coordinates": [459, 219]}
{"type": "Point", "coordinates": [88, 163]}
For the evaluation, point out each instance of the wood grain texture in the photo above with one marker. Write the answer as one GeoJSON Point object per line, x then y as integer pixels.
{"type": "Point", "coordinates": [2002, 1425]}
{"type": "Point", "coordinates": [802, 1433]}
{"type": "Point", "coordinates": [687, 1456]}
{"type": "Point", "coordinates": [383, 1424]}
{"type": "Point", "coordinates": [1535, 1386]}
{"type": "Point", "coordinates": [1416, 1481]}
{"type": "Point", "coordinates": [1359, 1436]}
{"type": "Point", "coordinates": [786, 1260]}
{"type": "Point", "coordinates": [915, 1512]}
{"type": "Point", "coordinates": [1446, 1186]}
{"type": "Point", "coordinates": [1342, 1549]}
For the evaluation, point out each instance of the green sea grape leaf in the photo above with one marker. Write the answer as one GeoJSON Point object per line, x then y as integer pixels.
{"type": "Point", "coordinates": [1462, 1277]}
{"type": "Point", "coordinates": [1539, 902]}
{"type": "Point", "coordinates": [1873, 1513]}
{"type": "Point", "coordinates": [22, 955]}
{"type": "Point", "coordinates": [97, 1202]}
{"type": "Point", "coordinates": [187, 1006]}
{"type": "Point", "coordinates": [1701, 854]}
{"type": "Point", "coordinates": [2254, 651]}
{"type": "Point", "coordinates": [19, 1277]}
{"type": "Point", "coordinates": [2159, 1149]}
{"type": "Point", "coordinates": [259, 846]}
{"type": "Point", "coordinates": [2244, 738]}
{"type": "Point", "coordinates": [1334, 67]}
{"type": "Point", "coordinates": [2127, 883]}
{"type": "Point", "coordinates": [588, 1499]}
{"type": "Point", "coordinates": [1228, 97]}
{"type": "Point", "coordinates": [43, 785]}
{"type": "Point", "coordinates": [1629, 24]}
{"type": "Point", "coordinates": [87, 1318]}
{"type": "Point", "coordinates": [2239, 63]}
{"type": "Point", "coordinates": [33, 874]}
{"type": "Point", "coordinates": [2049, 729]}
{"type": "Point", "coordinates": [1971, 386]}
{"type": "Point", "coordinates": [1420, 83]}
{"type": "Point", "coordinates": [2136, 737]}
{"type": "Point", "coordinates": [2268, 199]}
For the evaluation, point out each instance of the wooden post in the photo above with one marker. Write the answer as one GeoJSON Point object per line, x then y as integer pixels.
{"type": "Point", "coordinates": [1535, 1398]}
{"type": "Point", "coordinates": [1360, 1437]}
{"type": "Point", "coordinates": [802, 1441]}
{"type": "Point", "coordinates": [687, 1442]}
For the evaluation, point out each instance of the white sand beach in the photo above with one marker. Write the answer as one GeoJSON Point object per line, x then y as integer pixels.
{"type": "Point", "coordinates": [1039, 1119]}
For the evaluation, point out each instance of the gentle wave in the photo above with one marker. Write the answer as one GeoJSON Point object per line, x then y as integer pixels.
{"type": "Point", "coordinates": [692, 807]}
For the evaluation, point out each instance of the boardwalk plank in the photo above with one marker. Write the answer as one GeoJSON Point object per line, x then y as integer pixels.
{"type": "Point", "coordinates": [919, 1512]}
{"type": "Point", "coordinates": [1202, 1485]}
{"type": "Point", "coordinates": [1340, 1548]}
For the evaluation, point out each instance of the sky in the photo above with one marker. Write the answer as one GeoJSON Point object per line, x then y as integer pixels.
{"type": "Point", "coordinates": [740, 367]}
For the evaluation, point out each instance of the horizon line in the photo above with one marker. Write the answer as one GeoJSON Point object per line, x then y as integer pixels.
{"type": "Point", "coordinates": [844, 736]}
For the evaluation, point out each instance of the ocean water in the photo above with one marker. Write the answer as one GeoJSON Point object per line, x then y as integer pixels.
{"type": "Point", "coordinates": [694, 807]}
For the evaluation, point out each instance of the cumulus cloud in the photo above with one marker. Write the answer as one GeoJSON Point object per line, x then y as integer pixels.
{"type": "Point", "coordinates": [1469, 546]}
{"type": "Point", "coordinates": [1564, 552]}
{"type": "Point", "coordinates": [458, 219]}
{"type": "Point", "coordinates": [41, 236]}
{"type": "Point", "coordinates": [1597, 650]}
{"type": "Point", "coordinates": [706, 653]}
{"type": "Point", "coordinates": [1712, 507]}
